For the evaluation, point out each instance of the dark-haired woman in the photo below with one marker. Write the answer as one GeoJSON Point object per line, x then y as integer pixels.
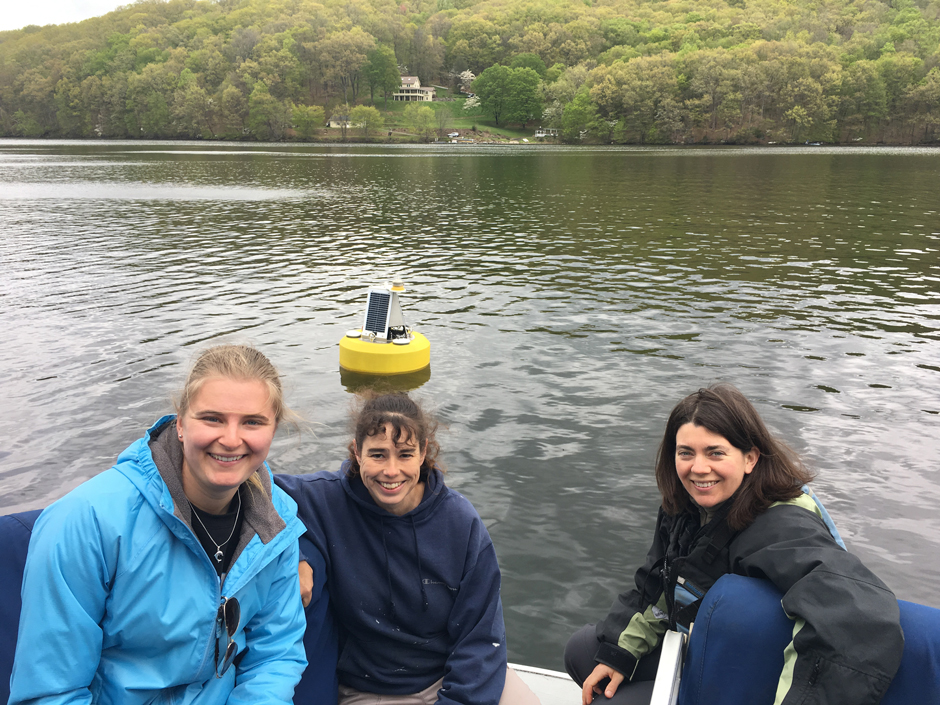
{"type": "Point", "coordinates": [413, 577]}
{"type": "Point", "coordinates": [733, 502]}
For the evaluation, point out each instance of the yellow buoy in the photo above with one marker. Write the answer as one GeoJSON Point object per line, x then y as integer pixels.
{"type": "Point", "coordinates": [387, 358]}
{"type": "Point", "coordinates": [384, 345]}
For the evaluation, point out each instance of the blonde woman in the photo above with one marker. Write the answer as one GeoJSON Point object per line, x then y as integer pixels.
{"type": "Point", "coordinates": [172, 576]}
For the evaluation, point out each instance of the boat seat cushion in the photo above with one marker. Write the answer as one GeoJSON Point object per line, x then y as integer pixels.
{"type": "Point", "coordinates": [15, 530]}
{"type": "Point", "coordinates": [735, 652]}
{"type": "Point", "coordinates": [317, 687]}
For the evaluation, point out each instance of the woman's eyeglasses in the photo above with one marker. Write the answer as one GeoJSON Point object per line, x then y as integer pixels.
{"type": "Point", "coordinates": [226, 624]}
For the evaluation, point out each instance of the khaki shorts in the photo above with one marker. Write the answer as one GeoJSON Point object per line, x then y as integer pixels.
{"type": "Point", "coordinates": [515, 692]}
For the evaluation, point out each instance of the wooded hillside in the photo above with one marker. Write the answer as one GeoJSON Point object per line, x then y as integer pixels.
{"type": "Point", "coordinates": [667, 71]}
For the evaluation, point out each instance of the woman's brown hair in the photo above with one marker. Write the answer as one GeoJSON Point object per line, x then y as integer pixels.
{"type": "Point", "coordinates": [722, 409]}
{"type": "Point", "coordinates": [409, 422]}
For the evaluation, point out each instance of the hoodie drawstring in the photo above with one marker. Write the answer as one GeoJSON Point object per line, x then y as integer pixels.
{"type": "Point", "coordinates": [388, 572]}
{"type": "Point", "coordinates": [424, 594]}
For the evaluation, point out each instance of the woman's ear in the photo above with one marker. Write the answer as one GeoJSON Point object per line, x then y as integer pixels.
{"type": "Point", "coordinates": [750, 460]}
{"type": "Point", "coordinates": [424, 451]}
{"type": "Point", "coordinates": [355, 450]}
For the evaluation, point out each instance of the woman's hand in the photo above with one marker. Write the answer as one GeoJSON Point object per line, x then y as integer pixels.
{"type": "Point", "coordinates": [599, 673]}
{"type": "Point", "coordinates": [306, 582]}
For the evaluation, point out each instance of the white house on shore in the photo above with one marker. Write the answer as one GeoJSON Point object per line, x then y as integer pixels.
{"type": "Point", "coordinates": [339, 120]}
{"type": "Point", "coordinates": [411, 90]}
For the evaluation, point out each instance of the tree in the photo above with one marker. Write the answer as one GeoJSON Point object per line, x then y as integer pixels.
{"type": "Point", "coordinates": [715, 99]}
{"type": "Point", "coordinates": [578, 117]}
{"type": "Point", "coordinates": [525, 103]}
{"type": "Point", "coordinates": [191, 108]}
{"type": "Point", "coordinates": [306, 119]}
{"type": "Point", "coordinates": [70, 112]}
{"type": "Point", "coordinates": [474, 42]}
{"type": "Point", "coordinates": [493, 88]}
{"type": "Point", "coordinates": [343, 118]}
{"type": "Point", "coordinates": [531, 61]}
{"type": "Point", "coordinates": [863, 101]}
{"type": "Point", "coordinates": [234, 111]}
{"type": "Point", "coordinates": [443, 118]}
{"type": "Point", "coordinates": [343, 56]}
{"type": "Point", "coordinates": [268, 117]}
{"type": "Point", "coordinates": [191, 111]}
{"type": "Point", "coordinates": [640, 92]}
{"type": "Point", "coordinates": [421, 119]}
{"type": "Point", "coordinates": [922, 104]}
{"type": "Point", "coordinates": [382, 72]}
{"type": "Point", "coordinates": [509, 94]}
{"type": "Point", "coordinates": [367, 117]}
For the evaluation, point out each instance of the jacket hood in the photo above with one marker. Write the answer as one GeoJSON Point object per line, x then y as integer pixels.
{"type": "Point", "coordinates": [154, 464]}
{"type": "Point", "coordinates": [259, 512]}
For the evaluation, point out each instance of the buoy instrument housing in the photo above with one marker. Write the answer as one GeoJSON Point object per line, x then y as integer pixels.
{"type": "Point", "coordinates": [384, 345]}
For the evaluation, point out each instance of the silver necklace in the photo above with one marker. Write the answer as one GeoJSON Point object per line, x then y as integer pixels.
{"type": "Point", "coordinates": [218, 546]}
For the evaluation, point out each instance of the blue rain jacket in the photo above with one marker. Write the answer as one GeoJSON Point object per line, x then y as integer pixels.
{"type": "Point", "coordinates": [120, 599]}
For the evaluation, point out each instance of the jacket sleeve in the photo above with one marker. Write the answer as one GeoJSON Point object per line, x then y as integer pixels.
{"type": "Point", "coordinates": [847, 639]}
{"type": "Point", "coordinates": [637, 620]}
{"type": "Point", "coordinates": [65, 589]}
{"type": "Point", "coordinates": [475, 672]}
{"type": "Point", "coordinates": [274, 659]}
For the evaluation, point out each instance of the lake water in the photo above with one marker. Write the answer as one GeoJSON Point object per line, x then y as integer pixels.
{"type": "Point", "coordinates": [571, 296]}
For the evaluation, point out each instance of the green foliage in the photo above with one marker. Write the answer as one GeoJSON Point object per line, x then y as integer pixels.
{"type": "Point", "coordinates": [366, 118]}
{"type": "Point", "coordinates": [342, 56]}
{"type": "Point", "coordinates": [525, 103]}
{"type": "Point", "coordinates": [578, 117]}
{"type": "Point", "coordinates": [509, 94]}
{"type": "Point", "coordinates": [268, 118]}
{"type": "Point", "coordinates": [493, 88]}
{"type": "Point", "coordinates": [420, 118]}
{"type": "Point", "coordinates": [382, 72]}
{"type": "Point", "coordinates": [307, 119]}
{"type": "Point", "coordinates": [531, 61]}
{"type": "Point", "coordinates": [687, 71]}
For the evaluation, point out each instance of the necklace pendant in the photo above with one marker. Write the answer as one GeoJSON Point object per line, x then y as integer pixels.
{"type": "Point", "coordinates": [218, 556]}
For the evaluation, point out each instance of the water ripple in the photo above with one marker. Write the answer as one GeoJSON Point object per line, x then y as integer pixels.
{"type": "Point", "coordinates": [571, 297]}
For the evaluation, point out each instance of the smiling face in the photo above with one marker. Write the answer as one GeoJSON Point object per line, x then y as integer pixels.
{"type": "Point", "coordinates": [226, 433]}
{"type": "Point", "coordinates": [391, 472]}
{"type": "Point", "coordinates": [709, 467]}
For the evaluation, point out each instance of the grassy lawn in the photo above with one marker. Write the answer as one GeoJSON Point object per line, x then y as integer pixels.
{"type": "Point", "coordinates": [484, 123]}
{"type": "Point", "coordinates": [394, 116]}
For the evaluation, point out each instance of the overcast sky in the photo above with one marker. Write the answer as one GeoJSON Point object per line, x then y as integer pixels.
{"type": "Point", "coordinates": [19, 13]}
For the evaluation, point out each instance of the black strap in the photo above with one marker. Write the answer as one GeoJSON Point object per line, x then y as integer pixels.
{"type": "Point", "coordinates": [717, 542]}
{"type": "Point", "coordinates": [719, 539]}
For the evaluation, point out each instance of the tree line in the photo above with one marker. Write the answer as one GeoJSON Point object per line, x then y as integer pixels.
{"type": "Point", "coordinates": [631, 71]}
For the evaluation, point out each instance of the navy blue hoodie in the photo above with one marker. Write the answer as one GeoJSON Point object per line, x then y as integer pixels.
{"type": "Point", "coordinates": [416, 596]}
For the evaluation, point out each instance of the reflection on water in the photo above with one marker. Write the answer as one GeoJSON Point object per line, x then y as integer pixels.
{"type": "Point", "coordinates": [357, 382]}
{"type": "Point", "coordinates": [571, 297]}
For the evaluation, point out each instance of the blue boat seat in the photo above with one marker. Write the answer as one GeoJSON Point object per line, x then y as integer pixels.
{"type": "Point", "coordinates": [735, 653]}
{"type": "Point", "coordinates": [317, 687]}
{"type": "Point", "coordinates": [15, 530]}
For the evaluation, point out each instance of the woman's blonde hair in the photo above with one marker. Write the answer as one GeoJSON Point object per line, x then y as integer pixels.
{"type": "Point", "coordinates": [236, 362]}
